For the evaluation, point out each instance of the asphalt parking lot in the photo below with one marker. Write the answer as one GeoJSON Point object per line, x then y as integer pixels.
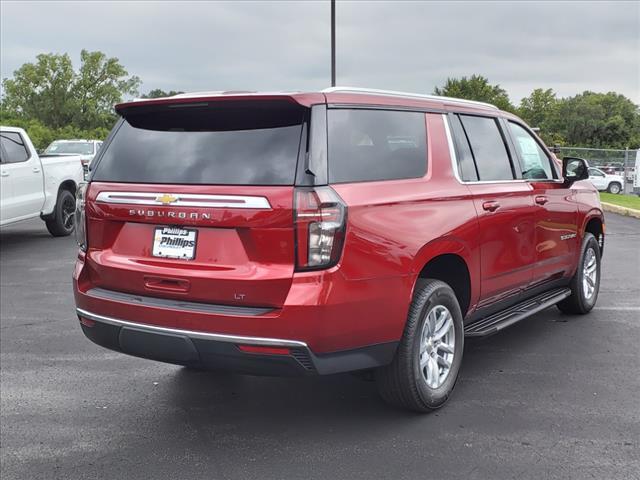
{"type": "Point", "coordinates": [552, 397]}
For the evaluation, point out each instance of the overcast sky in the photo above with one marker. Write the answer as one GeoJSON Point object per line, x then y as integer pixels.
{"type": "Point", "coordinates": [411, 46]}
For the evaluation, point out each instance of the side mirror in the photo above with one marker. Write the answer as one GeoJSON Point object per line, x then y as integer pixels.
{"type": "Point", "coordinates": [574, 169]}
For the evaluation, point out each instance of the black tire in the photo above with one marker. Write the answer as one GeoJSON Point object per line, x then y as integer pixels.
{"type": "Point", "coordinates": [403, 383]}
{"type": "Point", "coordinates": [61, 224]}
{"type": "Point", "coordinates": [614, 187]}
{"type": "Point", "coordinates": [580, 302]}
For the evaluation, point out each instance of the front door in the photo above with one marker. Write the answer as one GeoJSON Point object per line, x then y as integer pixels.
{"type": "Point", "coordinates": [24, 173]}
{"type": "Point", "coordinates": [598, 178]}
{"type": "Point", "coordinates": [556, 208]}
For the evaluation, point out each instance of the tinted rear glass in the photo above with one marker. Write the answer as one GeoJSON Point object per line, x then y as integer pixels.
{"type": "Point", "coordinates": [233, 143]}
{"type": "Point", "coordinates": [367, 145]}
{"type": "Point", "coordinates": [489, 150]}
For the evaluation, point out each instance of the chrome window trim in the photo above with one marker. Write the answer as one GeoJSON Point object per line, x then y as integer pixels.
{"type": "Point", "coordinates": [454, 161]}
{"type": "Point", "coordinates": [218, 337]}
{"type": "Point", "coordinates": [185, 200]}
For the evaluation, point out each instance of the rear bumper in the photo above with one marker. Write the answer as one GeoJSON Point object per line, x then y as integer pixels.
{"type": "Point", "coordinates": [249, 355]}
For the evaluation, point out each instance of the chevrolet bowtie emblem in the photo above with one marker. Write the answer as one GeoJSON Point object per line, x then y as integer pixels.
{"type": "Point", "coordinates": [166, 199]}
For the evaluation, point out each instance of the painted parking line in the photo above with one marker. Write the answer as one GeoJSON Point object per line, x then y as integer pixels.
{"type": "Point", "coordinates": [619, 309]}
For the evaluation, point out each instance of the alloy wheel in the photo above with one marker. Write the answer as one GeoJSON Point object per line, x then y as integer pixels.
{"type": "Point", "coordinates": [437, 346]}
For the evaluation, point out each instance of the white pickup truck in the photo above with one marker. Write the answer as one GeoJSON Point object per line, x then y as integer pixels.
{"type": "Point", "coordinates": [31, 186]}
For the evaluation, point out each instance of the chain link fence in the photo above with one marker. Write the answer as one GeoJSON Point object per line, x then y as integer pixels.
{"type": "Point", "coordinates": [611, 161]}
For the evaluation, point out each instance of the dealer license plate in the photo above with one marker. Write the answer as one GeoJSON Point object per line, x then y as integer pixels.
{"type": "Point", "coordinates": [174, 242]}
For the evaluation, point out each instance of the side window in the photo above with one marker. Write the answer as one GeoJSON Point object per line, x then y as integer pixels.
{"type": "Point", "coordinates": [14, 148]}
{"type": "Point", "coordinates": [464, 157]}
{"type": "Point", "coordinates": [535, 162]}
{"type": "Point", "coordinates": [594, 172]}
{"type": "Point", "coordinates": [488, 147]}
{"type": "Point", "coordinates": [369, 145]}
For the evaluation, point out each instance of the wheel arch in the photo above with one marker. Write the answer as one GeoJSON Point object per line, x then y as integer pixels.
{"type": "Point", "coordinates": [451, 261]}
{"type": "Point", "coordinates": [594, 224]}
{"type": "Point", "coordinates": [68, 185]}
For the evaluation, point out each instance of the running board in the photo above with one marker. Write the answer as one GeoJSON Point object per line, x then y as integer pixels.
{"type": "Point", "coordinates": [505, 318]}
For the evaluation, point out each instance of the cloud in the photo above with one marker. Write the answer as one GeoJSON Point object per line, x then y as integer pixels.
{"type": "Point", "coordinates": [412, 46]}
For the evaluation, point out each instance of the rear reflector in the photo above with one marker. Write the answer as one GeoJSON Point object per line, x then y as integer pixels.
{"type": "Point", "coordinates": [264, 350]}
{"type": "Point", "coordinates": [86, 322]}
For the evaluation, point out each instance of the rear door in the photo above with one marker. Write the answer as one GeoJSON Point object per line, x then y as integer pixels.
{"type": "Point", "coordinates": [503, 204]}
{"type": "Point", "coordinates": [196, 202]}
{"type": "Point", "coordinates": [23, 172]}
{"type": "Point", "coordinates": [556, 207]}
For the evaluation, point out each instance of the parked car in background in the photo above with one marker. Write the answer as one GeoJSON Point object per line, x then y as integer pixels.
{"type": "Point", "coordinates": [33, 187]}
{"type": "Point", "coordinates": [85, 149]}
{"type": "Point", "coordinates": [606, 182]}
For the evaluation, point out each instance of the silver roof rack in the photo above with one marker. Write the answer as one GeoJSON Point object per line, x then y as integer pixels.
{"type": "Point", "coordinates": [392, 93]}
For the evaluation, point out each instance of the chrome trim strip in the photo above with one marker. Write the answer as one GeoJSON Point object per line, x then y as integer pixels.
{"type": "Point", "coordinates": [218, 337]}
{"type": "Point", "coordinates": [393, 93]}
{"type": "Point", "coordinates": [185, 200]}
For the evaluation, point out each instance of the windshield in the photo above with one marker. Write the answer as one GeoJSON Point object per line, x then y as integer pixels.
{"type": "Point", "coordinates": [76, 148]}
{"type": "Point", "coordinates": [224, 145]}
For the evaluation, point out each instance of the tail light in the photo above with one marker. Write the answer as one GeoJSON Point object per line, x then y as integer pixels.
{"type": "Point", "coordinates": [320, 223]}
{"type": "Point", "coordinates": [80, 218]}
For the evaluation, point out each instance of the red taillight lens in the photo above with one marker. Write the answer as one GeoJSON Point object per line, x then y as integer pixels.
{"type": "Point", "coordinates": [79, 218]}
{"type": "Point", "coordinates": [320, 222]}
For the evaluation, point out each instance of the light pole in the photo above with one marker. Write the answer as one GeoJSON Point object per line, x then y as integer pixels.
{"type": "Point", "coordinates": [333, 43]}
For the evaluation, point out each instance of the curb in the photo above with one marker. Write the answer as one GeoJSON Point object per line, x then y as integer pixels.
{"type": "Point", "coordinates": [630, 212]}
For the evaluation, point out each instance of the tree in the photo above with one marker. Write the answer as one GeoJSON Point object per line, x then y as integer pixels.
{"type": "Point", "coordinates": [538, 109]}
{"type": "Point", "coordinates": [476, 88]}
{"type": "Point", "coordinates": [538, 106]}
{"type": "Point", "coordinates": [598, 120]}
{"type": "Point", "coordinates": [100, 83]}
{"type": "Point", "coordinates": [51, 92]}
{"type": "Point", "coordinates": [158, 93]}
{"type": "Point", "coordinates": [41, 90]}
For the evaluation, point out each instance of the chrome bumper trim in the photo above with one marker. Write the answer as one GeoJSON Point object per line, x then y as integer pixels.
{"type": "Point", "coordinates": [218, 337]}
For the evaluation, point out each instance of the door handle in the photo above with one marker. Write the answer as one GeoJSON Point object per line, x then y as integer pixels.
{"type": "Point", "coordinates": [491, 206]}
{"type": "Point", "coordinates": [35, 170]}
{"type": "Point", "coordinates": [4, 174]}
{"type": "Point", "coordinates": [541, 199]}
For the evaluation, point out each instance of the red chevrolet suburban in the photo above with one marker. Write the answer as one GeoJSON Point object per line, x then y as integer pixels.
{"type": "Point", "coordinates": [317, 233]}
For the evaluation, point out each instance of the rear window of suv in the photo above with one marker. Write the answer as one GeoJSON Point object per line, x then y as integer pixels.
{"type": "Point", "coordinates": [231, 143]}
{"type": "Point", "coordinates": [368, 145]}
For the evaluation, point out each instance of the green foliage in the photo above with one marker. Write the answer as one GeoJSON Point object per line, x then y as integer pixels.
{"type": "Point", "coordinates": [539, 109]}
{"type": "Point", "coordinates": [476, 88]}
{"type": "Point", "coordinates": [597, 120]}
{"type": "Point", "coordinates": [100, 84]}
{"type": "Point", "coordinates": [51, 92]}
{"type": "Point", "coordinates": [42, 136]}
{"type": "Point", "coordinates": [157, 93]}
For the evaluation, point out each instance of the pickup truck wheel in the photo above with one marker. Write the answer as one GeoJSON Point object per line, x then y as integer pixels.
{"type": "Point", "coordinates": [62, 222]}
{"type": "Point", "coordinates": [614, 187]}
{"type": "Point", "coordinates": [585, 284]}
{"type": "Point", "coordinates": [425, 368]}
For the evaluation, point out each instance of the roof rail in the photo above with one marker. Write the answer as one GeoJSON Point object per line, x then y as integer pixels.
{"type": "Point", "coordinates": [392, 93]}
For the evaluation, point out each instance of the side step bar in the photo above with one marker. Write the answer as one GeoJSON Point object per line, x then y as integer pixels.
{"type": "Point", "coordinates": [505, 318]}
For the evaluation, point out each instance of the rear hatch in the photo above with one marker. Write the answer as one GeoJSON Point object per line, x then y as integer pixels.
{"type": "Point", "coordinates": [194, 201]}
